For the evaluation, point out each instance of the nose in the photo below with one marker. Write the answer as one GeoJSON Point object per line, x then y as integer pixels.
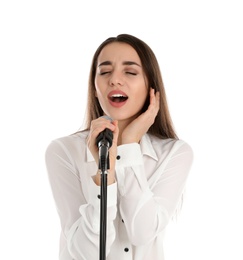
{"type": "Point", "coordinates": [116, 79]}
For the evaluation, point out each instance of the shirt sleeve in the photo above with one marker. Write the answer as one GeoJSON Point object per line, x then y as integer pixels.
{"type": "Point", "coordinates": [147, 208]}
{"type": "Point", "coordinates": [79, 216]}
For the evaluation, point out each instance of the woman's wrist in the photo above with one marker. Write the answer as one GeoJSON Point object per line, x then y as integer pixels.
{"type": "Point", "coordinates": [110, 177]}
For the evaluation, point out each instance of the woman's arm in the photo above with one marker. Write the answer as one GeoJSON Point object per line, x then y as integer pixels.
{"type": "Point", "coordinates": [146, 208]}
{"type": "Point", "coordinates": [79, 217]}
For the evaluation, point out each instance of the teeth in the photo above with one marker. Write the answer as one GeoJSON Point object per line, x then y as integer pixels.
{"type": "Point", "coordinates": [117, 95]}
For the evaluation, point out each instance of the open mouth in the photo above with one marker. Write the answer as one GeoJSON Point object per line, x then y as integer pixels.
{"type": "Point", "coordinates": [118, 98]}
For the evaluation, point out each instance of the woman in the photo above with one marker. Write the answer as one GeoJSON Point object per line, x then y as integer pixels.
{"type": "Point", "coordinates": [149, 165]}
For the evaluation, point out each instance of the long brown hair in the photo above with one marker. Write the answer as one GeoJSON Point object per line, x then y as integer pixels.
{"type": "Point", "coordinates": [162, 126]}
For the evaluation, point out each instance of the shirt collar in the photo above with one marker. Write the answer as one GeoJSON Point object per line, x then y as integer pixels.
{"type": "Point", "coordinates": [145, 145]}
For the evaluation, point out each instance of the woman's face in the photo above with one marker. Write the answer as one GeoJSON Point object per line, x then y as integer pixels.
{"type": "Point", "coordinates": [120, 82]}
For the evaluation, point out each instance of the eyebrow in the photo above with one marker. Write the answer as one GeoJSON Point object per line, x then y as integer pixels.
{"type": "Point", "coordinates": [105, 63]}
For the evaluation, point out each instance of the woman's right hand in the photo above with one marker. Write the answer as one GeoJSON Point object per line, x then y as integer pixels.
{"type": "Point", "coordinates": [97, 126]}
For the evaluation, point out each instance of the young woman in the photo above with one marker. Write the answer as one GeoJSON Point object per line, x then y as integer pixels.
{"type": "Point", "coordinates": [149, 165]}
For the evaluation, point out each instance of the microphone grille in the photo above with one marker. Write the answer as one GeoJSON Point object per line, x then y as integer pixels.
{"type": "Point", "coordinates": [108, 118]}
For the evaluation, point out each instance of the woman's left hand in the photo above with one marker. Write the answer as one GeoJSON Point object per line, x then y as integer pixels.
{"type": "Point", "coordinates": [138, 127]}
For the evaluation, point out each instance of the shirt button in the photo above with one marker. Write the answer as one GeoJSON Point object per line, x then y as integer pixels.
{"type": "Point", "coordinates": [98, 196]}
{"type": "Point", "coordinates": [122, 221]}
{"type": "Point", "coordinates": [126, 249]}
{"type": "Point", "coordinates": [118, 157]}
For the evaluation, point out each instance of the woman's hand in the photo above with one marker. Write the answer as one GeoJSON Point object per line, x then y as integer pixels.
{"type": "Point", "coordinates": [138, 127]}
{"type": "Point", "coordinates": [97, 126]}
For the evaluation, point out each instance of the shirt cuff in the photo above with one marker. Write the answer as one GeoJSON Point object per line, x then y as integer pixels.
{"type": "Point", "coordinates": [129, 155]}
{"type": "Point", "coordinates": [94, 197]}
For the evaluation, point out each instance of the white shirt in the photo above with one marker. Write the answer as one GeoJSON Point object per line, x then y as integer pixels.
{"type": "Point", "coordinates": [150, 179]}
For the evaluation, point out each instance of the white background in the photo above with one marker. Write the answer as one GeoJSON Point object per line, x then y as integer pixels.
{"type": "Point", "coordinates": [45, 54]}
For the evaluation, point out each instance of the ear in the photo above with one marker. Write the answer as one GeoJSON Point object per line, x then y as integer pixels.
{"type": "Point", "coordinates": [96, 93]}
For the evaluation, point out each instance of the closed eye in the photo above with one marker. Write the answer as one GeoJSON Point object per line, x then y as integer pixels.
{"type": "Point", "coordinates": [131, 73]}
{"type": "Point", "coordinates": [105, 72]}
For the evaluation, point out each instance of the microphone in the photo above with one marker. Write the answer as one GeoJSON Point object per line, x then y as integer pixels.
{"type": "Point", "coordinates": [104, 142]}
